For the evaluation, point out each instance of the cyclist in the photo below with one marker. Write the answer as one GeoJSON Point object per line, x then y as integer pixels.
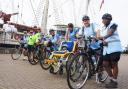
{"type": "Point", "coordinates": [41, 38]}
{"type": "Point", "coordinates": [31, 41]}
{"type": "Point", "coordinates": [53, 40]}
{"type": "Point", "coordinates": [70, 37]}
{"type": "Point", "coordinates": [23, 42]}
{"type": "Point", "coordinates": [112, 49]}
{"type": "Point", "coordinates": [71, 32]}
{"type": "Point", "coordinates": [89, 29]}
{"type": "Point", "coordinates": [37, 34]}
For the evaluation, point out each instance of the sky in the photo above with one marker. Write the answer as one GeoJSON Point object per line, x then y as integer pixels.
{"type": "Point", "coordinates": [118, 8]}
{"type": "Point", "coordinates": [62, 11]}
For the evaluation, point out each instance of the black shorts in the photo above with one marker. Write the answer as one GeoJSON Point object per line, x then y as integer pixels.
{"type": "Point", "coordinates": [23, 45]}
{"type": "Point", "coordinates": [113, 57]}
{"type": "Point", "coordinates": [30, 48]}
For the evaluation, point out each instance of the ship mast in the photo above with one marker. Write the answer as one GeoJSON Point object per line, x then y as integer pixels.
{"type": "Point", "coordinates": [87, 5]}
{"type": "Point", "coordinates": [45, 16]}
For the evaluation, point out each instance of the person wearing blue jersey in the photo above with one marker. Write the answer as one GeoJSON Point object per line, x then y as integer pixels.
{"type": "Point", "coordinates": [70, 33]}
{"type": "Point", "coordinates": [53, 40]}
{"type": "Point", "coordinates": [89, 30]}
{"type": "Point", "coordinates": [23, 42]}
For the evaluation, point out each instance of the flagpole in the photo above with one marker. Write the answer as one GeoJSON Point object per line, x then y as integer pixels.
{"type": "Point", "coordinates": [102, 2]}
{"type": "Point", "coordinates": [45, 17]}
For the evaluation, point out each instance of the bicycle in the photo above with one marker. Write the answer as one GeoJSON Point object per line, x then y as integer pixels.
{"type": "Point", "coordinates": [82, 67]}
{"type": "Point", "coordinates": [44, 54]}
{"type": "Point", "coordinates": [18, 51]}
{"type": "Point", "coordinates": [60, 59]}
{"type": "Point", "coordinates": [33, 54]}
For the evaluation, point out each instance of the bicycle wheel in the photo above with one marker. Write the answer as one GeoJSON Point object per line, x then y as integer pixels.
{"type": "Point", "coordinates": [52, 71]}
{"type": "Point", "coordinates": [16, 53]}
{"type": "Point", "coordinates": [42, 59]}
{"type": "Point", "coordinates": [101, 76]}
{"type": "Point", "coordinates": [69, 59]}
{"type": "Point", "coordinates": [78, 71]}
{"type": "Point", "coordinates": [55, 66]}
{"type": "Point", "coordinates": [32, 58]}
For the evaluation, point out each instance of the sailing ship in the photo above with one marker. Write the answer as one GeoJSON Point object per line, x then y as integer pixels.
{"type": "Point", "coordinates": [51, 14]}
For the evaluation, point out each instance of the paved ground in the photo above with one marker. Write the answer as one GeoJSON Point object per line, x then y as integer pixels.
{"type": "Point", "coordinates": [20, 74]}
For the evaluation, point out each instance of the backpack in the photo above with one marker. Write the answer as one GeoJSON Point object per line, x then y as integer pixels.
{"type": "Point", "coordinates": [92, 25]}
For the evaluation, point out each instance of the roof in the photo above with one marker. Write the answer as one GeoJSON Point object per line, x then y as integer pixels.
{"type": "Point", "coordinates": [61, 25]}
{"type": "Point", "coordinates": [21, 26]}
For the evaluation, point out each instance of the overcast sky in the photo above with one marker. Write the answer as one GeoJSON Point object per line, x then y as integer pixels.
{"type": "Point", "coordinates": [118, 8]}
{"type": "Point", "coordinates": [66, 12]}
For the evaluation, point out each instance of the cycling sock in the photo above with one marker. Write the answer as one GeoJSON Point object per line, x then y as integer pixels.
{"type": "Point", "coordinates": [115, 80]}
{"type": "Point", "coordinates": [110, 78]}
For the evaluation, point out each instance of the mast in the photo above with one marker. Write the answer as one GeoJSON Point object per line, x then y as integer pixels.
{"type": "Point", "coordinates": [12, 2]}
{"type": "Point", "coordinates": [86, 7]}
{"type": "Point", "coordinates": [74, 12]}
{"type": "Point", "coordinates": [45, 16]}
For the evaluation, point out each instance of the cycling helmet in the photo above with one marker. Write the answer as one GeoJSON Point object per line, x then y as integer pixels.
{"type": "Point", "coordinates": [42, 33]}
{"type": "Point", "coordinates": [85, 17]}
{"type": "Point", "coordinates": [25, 32]}
{"type": "Point", "coordinates": [51, 30]}
{"type": "Point", "coordinates": [70, 25]}
{"type": "Point", "coordinates": [107, 16]}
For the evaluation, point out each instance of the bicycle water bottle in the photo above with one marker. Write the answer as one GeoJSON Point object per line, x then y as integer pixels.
{"type": "Point", "coordinates": [94, 59]}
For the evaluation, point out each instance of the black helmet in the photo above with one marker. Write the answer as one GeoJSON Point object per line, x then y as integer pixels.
{"type": "Point", "coordinates": [51, 30]}
{"type": "Point", "coordinates": [107, 16]}
{"type": "Point", "coordinates": [70, 25]}
{"type": "Point", "coordinates": [85, 17]}
{"type": "Point", "coordinates": [25, 32]}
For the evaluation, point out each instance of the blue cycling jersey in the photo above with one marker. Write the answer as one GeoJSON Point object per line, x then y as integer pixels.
{"type": "Point", "coordinates": [72, 35]}
{"type": "Point", "coordinates": [54, 39]}
{"type": "Point", "coordinates": [24, 39]}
